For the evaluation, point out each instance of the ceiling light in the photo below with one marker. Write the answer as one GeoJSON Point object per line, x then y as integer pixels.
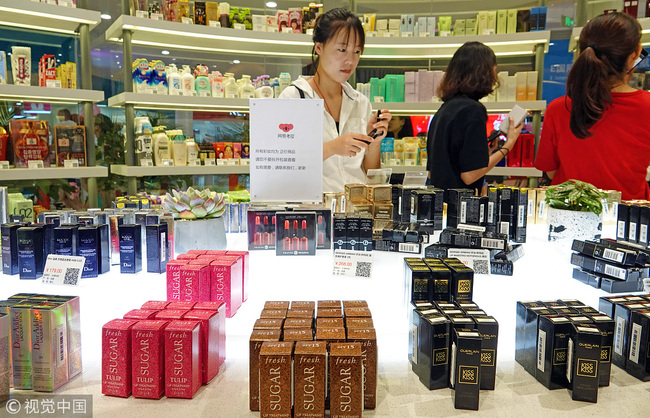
{"type": "Point", "coordinates": [271, 4]}
{"type": "Point", "coordinates": [105, 16]}
{"type": "Point", "coordinates": [165, 52]}
{"type": "Point", "coordinates": [236, 61]}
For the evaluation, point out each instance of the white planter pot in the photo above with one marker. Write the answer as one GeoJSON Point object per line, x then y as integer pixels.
{"type": "Point", "coordinates": [200, 234]}
{"type": "Point", "coordinates": [570, 225]}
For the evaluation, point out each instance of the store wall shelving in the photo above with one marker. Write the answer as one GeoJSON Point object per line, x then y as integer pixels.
{"type": "Point", "coordinates": [134, 31]}
{"type": "Point", "coordinates": [47, 18]}
{"type": "Point", "coordinates": [496, 171]}
{"type": "Point", "coordinates": [645, 34]}
{"type": "Point", "coordinates": [202, 170]}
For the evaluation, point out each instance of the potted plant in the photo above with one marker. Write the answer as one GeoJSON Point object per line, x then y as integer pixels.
{"type": "Point", "coordinates": [574, 210]}
{"type": "Point", "coordinates": [198, 222]}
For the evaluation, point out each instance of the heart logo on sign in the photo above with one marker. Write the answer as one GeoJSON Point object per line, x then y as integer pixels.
{"type": "Point", "coordinates": [286, 127]}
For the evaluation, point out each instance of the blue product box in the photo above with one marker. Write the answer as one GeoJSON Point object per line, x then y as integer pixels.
{"type": "Point", "coordinates": [66, 240]}
{"type": "Point", "coordinates": [30, 252]}
{"type": "Point", "coordinates": [157, 248]}
{"type": "Point", "coordinates": [130, 248]}
{"type": "Point", "coordinates": [10, 247]}
{"type": "Point", "coordinates": [88, 247]}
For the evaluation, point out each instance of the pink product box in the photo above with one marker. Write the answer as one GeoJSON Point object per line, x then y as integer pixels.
{"type": "Point", "coordinates": [410, 95]}
{"type": "Point", "coordinates": [216, 252]}
{"type": "Point", "coordinates": [197, 252]}
{"type": "Point", "coordinates": [171, 314]}
{"type": "Point", "coordinates": [116, 357]}
{"type": "Point", "coordinates": [220, 309]}
{"type": "Point", "coordinates": [141, 314]}
{"type": "Point", "coordinates": [181, 305]}
{"type": "Point", "coordinates": [210, 343]}
{"type": "Point", "coordinates": [187, 256]}
{"type": "Point", "coordinates": [245, 266]}
{"type": "Point", "coordinates": [183, 354]}
{"type": "Point", "coordinates": [155, 304]}
{"type": "Point", "coordinates": [201, 261]}
{"type": "Point", "coordinates": [195, 283]}
{"type": "Point", "coordinates": [226, 284]}
{"type": "Point", "coordinates": [148, 355]}
{"type": "Point", "coordinates": [425, 84]}
{"type": "Point", "coordinates": [174, 279]}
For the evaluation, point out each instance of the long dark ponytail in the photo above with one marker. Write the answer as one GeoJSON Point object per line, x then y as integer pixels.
{"type": "Point", "coordinates": [605, 43]}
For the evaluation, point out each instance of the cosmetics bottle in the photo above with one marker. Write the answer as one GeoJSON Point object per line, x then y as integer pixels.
{"type": "Point", "coordinates": [202, 82]}
{"type": "Point", "coordinates": [179, 148]}
{"type": "Point", "coordinates": [192, 149]}
{"type": "Point", "coordinates": [272, 237]}
{"type": "Point", "coordinates": [159, 77]}
{"type": "Point", "coordinates": [247, 90]}
{"type": "Point", "coordinates": [224, 14]}
{"type": "Point", "coordinates": [230, 86]}
{"type": "Point", "coordinates": [266, 236]}
{"type": "Point", "coordinates": [264, 91]}
{"type": "Point", "coordinates": [175, 81]}
{"type": "Point", "coordinates": [217, 84]}
{"type": "Point", "coordinates": [161, 145]}
{"type": "Point", "coordinates": [257, 238]}
{"type": "Point", "coordinates": [188, 82]}
{"type": "Point", "coordinates": [321, 231]}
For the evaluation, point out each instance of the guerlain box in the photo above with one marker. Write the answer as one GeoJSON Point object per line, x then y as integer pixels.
{"type": "Point", "coordinates": [183, 359]}
{"type": "Point", "coordinates": [464, 374]}
{"type": "Point", "coordinates": [116, 357]}
{"type": "Point", "coordinates": [488, 327]}
{"type": "Point", "coordinates": [552, 341]}
{"type": "Point", "coordinates": [638, 361]}
{"type": "Point", "coordinates": [583, 355]}
{"type": "Point", "coordinates": [148, 359]}
{"type": "Point", "coordinates": [276, 368]}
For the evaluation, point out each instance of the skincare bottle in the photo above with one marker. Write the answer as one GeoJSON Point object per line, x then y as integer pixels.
{"type": "Point", "coordinates": [217, 84]}
{"type": "Point", "coordinates": [285, 81]}
{"type": "Point", "coordinates": [192, 149]}
{"type": "Point", "coordinates": [188, 82]}
{"type": "Point", "coordinates": [161, 146]}
{"type": "Point", "coordinates": [247, 90]}
{"type": "Point", "coordinates": [230, 86]}
{"type": "Point", "coordinates": [275, 85]}
{"type": "Point", "coordinates": [224, 14]}
{"type": "Point", "coordinates": [179, 148]}
{"type": "Point", "coordinates": [175, 81]}
{"type": "Point", "coordinates": [158, 77]}
{"type": "Point", "coordinates": [264, 91]}
{"type": "Point", "coordinates": [141, 75]}
{"type": "Point", "coordinates": [202, 81]}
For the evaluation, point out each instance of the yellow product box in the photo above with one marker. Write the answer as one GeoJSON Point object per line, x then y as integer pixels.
{"type": "Point", "coordinates": [356, 192]}
{"type": "Point", "coordinates": [360, 207]}
{"type": "Point", "coordinates": [380, 193]}
{"type": "Point", "coordinates": [382, 211]}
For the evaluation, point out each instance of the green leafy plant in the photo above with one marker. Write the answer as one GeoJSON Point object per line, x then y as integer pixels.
{"type": "Point", "coordinates": [576, 195]}
{"type": "Point", "coordinates": [193, 204]}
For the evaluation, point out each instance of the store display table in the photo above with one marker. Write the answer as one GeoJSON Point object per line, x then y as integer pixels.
{"type": "Point", "coordinates": [543, 273]}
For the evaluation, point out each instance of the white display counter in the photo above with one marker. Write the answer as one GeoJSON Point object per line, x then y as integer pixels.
{"type": "Point", "coordinates": [544, 273]}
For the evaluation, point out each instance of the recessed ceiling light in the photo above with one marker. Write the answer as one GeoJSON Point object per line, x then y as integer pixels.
{"type": "Point", "coordinates": [236, 61]}
{"type": "Point", "coordinates": [271, 4]}
{"type": "Point", "coordinates": [105, 16]}
{"type": "Point", "coordinates": [117, 56]}
{"type": "Point", "coordinates": [118, 63]}
{"type": "Point", "coordinates": [165, 52]}
{"type": "Point", "coordinates": [60, 55]}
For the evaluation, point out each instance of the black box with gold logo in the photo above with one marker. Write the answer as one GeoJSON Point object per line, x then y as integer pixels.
{"type": "Point", "coordinates": [606, 325]}
{"type": "Point", "coordinates": [465, 370]}
{"type": "Point", "coordinates": [433, 350]}
{"type": "Point", "coordinates": [552, 341]}
{"type": "Point", "coordinates": [520, 329]}
{"type": "Point", "coordinates": [488, 327]}
{"type": "Point", "coordinates": [441, 282]}
{"type": "Point", "coordinates": [583, 356]}
{"type": "Point", "coordinates": [638, 361]}
{"type": "Point", "coordinates": [414, 320]}
{"type": "Point", "coordinates": [418, 283]}
{"type": "Point", "coordinates": [462, 282]}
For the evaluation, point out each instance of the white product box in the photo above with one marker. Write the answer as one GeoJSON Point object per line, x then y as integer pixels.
{"type": "Point", "coordinates": [522, 85]}
{"type": "Point", "coordinates": [531, 85]}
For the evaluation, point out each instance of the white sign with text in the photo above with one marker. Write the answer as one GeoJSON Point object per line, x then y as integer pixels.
{"type": "Point", "coordinates": [63, 269]}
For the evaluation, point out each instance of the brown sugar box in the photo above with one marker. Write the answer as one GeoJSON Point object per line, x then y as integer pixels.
{"type": "Point", "coordinates": [357, 313]}
{"type": "Point", "coordinates": [301, 304]}
{"type": "Point", "coordinates": [346, 380]}
{"type": "Point", "coordinates": [330, 334]}
{"type": "Point", "coordinates": [293, 323]}
{"type": "Point", "coordinates": [329, 312]}
{"type": "Point", "coordinates": [309, 379]}
{"type": "Point", "coordinates": [359, 323]}
{"type": "Point", "coordinates": [268, 323]}
{"type": "Point", "coordinates": [274, 313]}
{"type": "Point", "coordinates": [329, 304]}
{"type": "Point", "coordinates": [276, 304]}
{"type": "Point", "coordinates": [367, 337]}
{"type": "Point", "coordinates": [329, 322]}
{"type": "Point", "coordinates": [300, 313]}
{"type": "Point", "coordinates": [275, 379]}
{"type": "Point", "coordinates": [298, 334]}
{"type": "Point", "coordinates": [257, 338]}
{"type": "Point", "coordinates": [355, 304]}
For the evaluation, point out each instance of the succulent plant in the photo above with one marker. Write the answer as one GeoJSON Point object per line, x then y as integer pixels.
{"type": "Point", "coordinates": [193, 204]}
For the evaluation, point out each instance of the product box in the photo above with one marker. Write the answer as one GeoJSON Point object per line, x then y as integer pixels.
{"type": "Point", "coordinates": [298, 323]}
{"type": "Point", "coordinates": [261, 227]}
{"type": "Point", "coordinates": [173, 272]}
{"type": "Point", "coordinates": [638, 361]}
{"type": "Point", "coordinates": [5, 361]}
{"type": "Point", "coordinates": [367, 337]}
{"type": "Point", "coordinates": [116, 357]}
{"type": "Point", "coordinates": [66, 240]}
{"type": "Point", "coordinates": [552, 343]}
{"type": "Point", "coordinates": [464, 374]}
{"type": "Point", "coordinates": [245, 268]}
{"type": "Point", "coordinates": [219, 308]}
{"type": "Point", "coordinates": [148, 359]}
{"type": "Point", "coordinates": [607, 326]}
{"type": "Point", "coordinates": [608, 269]}
{"type": "Point", "coordinates": [30, 252]}
{"type": "Point", "coordinates": [622, 316]}
{"type": "Point", "coordinates": [49, 346]}
{"type": "Point", "coordinates": [602, 252]}
{"type": "Point", "coordinates": [309, 379]}
{"type": "Point", "coordinates": [141, 314]}
{"type": "Point", "coordinates": [30, 139]}
{"type": "Point", "coordinates": [275, 377]}
{"type": "Point", "coordinates": [9, 234]}
{"type": "Point", "coordinates": [295, 233]}
{"type": "Point", "coordinates": [226, 283]}
{"type": "Point", "coordinates": [156, 248]}
{"type": "Point", "coordinates": [172, 314]}
{"type": "Point", "coordinates": [583, 355]}
{"type": "Point", "coordinates": [298, 334]}
{"type": "Point", "coordinates": [90, 248]}
{"type": "Point", "coordinates": [195, 282]}
{"type": "Point", "coordinates": [21, 353]}
{"type": "Point", "coordinates": [155, 304]}
{"type": "Point", "coordinates": [462, 282]}
{"type": "Point", "coordinates": [130, 239]}
{"type": "Point", "coordinates": [183, 354]}
{"type": "Point", "coordinates": [526, 333]}
{"type": "Point", "coordinates": [418, 283]}
{"type": "Point", "coordinates": [431, 348]}
{"type": "Point", "coordinates": [212, 324]}
{"type": "Point", "coordinates": [488, 327]}
{"type": "Point", "coordinates": [70, 144]}
{"type": "Point", "coordinates": [346, 379]}
{"type": "Point", "coordinates": [258, 337]}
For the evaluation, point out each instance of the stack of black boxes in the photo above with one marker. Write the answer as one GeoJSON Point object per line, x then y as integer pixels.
{"type": "Point", "coordinates": [612, 266]}
{"type": "Point", "coordinates": [452, 342]}
{"type": "Point", "coordinates": [633, 221]}
{"type": "Point", "coordinates": [565, 344]}
{"type": "Point", "coordinates": [631, 342]}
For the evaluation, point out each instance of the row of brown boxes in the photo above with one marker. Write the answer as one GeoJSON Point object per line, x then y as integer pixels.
{"type": "Point", "coordinates": [40, 342]}
{"type": "Point", "coordinates": [302, 336]}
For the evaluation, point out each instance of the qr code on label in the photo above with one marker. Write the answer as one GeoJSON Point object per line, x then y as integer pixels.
{"type": "Point", "coordinates": [481, 266]}
{"type": "Point", "coordinates": [363, 269]}
{"type": "Point", "coordinates": [71, 276]}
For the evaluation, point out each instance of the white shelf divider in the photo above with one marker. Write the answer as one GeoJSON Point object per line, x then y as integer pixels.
{"type": "Point", "coordinates": [48, 94]}
{"type": "Point", "coordinates": [52, 173]}
{"type": "Point", "coordinates": [135, 171]}
{"type": "Point", "coordinates": [46, 17]}
{"type": "Point", "coordinates": [496, 171]}
{"type": "Point", "coordinates": [422, 108]}
{"type": "Point", "coordinates": [167, 102]}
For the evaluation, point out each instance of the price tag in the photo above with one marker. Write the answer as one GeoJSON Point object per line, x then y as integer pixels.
{"type": "Point", "coordinates": [187, 20]}
{"type": "Point", "coordinates": [194, 163]}
{"type": "Point", "coordinates": [146, 162]}
{"type": "Point", "coordinates": [214, 24]}
{"type": "Point", "coordinates": [210, 161]}
{"type": "Point", "coordinates": [239, 26]}
{"type": "Point", "coordinates": [409, 163]}
{"type": "Point", "coordinates": [167, 162]}
{"type": "Point", "coordinates": [222, 161]}
{"type": "Point", "coordinates": [50, 1]}
{"type": "Point", "coordinates": [63, 269]}
{"type": "Point", "coordinates": [4, 165]}
{"type": "Point", "coordinates": [35, 164]}
{"type": "Point", "coordinates": [66, 3]}
{"type": "Point", "coordinates": [142, 13]}
{"type": "Point", "coordinates": [232, 161]}
{"type": "Point", "coordinates": [71, 163]}
{"type": "Point", "coordinates": [53, 84]}
{"type": "Point", "coordinates": [156, 16]}
{"type": "Point", "coordinates": [245, 161]}
{"type": "Point", "coordinates": [204, 93]}
{"type": "Point", "coordinates": [353, 263]}
{"type": "Point", "coordinates": [287, 30]}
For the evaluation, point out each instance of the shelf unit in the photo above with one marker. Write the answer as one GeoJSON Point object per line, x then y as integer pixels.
{"type": "Point", "coordinates": [129, 31]}
{"type": "Point", "coordinates": [645, 34]}
{"type": "Point", "coordinates": [496, 171]}
{"type": "Point", "coordinates": [71, 21]}
{"type": "Point", "coordinates": [203, 170]}
{"type": "Point", "coordinates": [53, 173]}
